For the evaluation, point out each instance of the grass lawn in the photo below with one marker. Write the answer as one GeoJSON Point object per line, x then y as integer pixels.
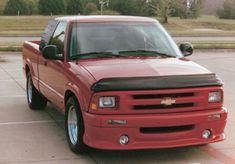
{"type": "Point", "coordinates": [203, 26]}
{"type": "Point", "coordinates": [34, 26]}
{"type": "Point", "coordinates": [23, 25]}
{"type": "Point", "coordinates": [208, 22]}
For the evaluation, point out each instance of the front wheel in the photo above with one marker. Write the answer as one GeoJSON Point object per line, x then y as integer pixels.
{"type": "Point", "coordinates": [34, 98]}
{"type": "Point", "coordinates": [74, 126]}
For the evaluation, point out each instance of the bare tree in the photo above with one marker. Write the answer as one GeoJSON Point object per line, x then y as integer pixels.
{"type": "Point", "coordinates": [188, 8]}
{"type": "Point", "coordinates": [162, 7]}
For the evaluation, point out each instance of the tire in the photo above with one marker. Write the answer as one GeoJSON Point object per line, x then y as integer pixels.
{"type": "Point", "coordinates": [35, 100]}
{"type": "Point", "coordinates": [74, 126]}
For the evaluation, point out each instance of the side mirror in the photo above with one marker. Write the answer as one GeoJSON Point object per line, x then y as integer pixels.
{"type": "Point", "coordinates": [50, 52]}
{"type": "Point", "coordinates": [186, 49]}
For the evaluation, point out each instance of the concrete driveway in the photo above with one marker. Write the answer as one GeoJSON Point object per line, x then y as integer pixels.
{"type": "Point", "coordinates": [39, 137]}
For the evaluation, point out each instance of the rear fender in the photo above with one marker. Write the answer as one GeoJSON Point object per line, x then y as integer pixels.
{"type": "Point", "coordinates": [32, 72]}
{"type": "Point", "coordinates": [30, 52]}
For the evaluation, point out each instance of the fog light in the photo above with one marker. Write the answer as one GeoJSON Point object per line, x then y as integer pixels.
{"type": "Point", "coordinates": [206, 134]}
{"type": "Point", "coordinates": [124, 140]}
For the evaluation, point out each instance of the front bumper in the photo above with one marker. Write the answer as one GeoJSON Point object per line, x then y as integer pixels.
{"type": "Point", "coordinates": [99, 134]}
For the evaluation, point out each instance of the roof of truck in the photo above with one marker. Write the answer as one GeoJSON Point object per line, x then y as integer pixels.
{"type": "Point", "coordinates": [105, 18]}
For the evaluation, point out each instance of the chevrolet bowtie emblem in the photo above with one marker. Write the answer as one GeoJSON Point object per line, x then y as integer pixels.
{"type": "Point", "coordinates": [168, 101]}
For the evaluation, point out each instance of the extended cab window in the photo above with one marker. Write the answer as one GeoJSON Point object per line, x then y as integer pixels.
{"type": "Point", "coordinates": [58, 37]}
{"type": "Point", "coordinates": [48, 32]}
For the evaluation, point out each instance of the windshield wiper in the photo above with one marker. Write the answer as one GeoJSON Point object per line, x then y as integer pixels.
{"type": "Point", "coordinates": [152, 52]}
{"type": "Point", "coordinates": [119, 54]}
{"type": "Point", "coordinates": [94, 54]}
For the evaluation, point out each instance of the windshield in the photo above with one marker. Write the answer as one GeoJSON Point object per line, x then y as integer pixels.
{"type": "Point", "coordinates": [135, 38]}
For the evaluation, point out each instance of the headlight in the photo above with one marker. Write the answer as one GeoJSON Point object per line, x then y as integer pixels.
{"type": "Point", "coordinates": [215, 97]}
{"type": "Point", "coordinates": [107, 102]}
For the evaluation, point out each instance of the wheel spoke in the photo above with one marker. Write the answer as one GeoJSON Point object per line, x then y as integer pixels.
{"type": "Point", "coordinates": [72, 125]}
{"type": "Point", "coordinates": [29, 90]}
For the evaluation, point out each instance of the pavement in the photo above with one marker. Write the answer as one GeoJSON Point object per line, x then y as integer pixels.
{"type": "Point", "coordinates": [38, 137]}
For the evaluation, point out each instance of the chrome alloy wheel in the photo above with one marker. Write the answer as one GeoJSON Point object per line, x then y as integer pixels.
{"type": "Point", "coordinates": [30, 90]}
{"type": "Point", "coordinates": [72, 125]}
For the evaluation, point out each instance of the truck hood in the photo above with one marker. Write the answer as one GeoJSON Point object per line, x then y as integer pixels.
{"type": "Point", "coordinates": [141, 67]}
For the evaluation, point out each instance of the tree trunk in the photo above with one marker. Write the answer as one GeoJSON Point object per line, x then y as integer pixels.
{"type": "Point", "coordinates": [166, 13]}
{"type": "Point", "coordinates": [166, 19]}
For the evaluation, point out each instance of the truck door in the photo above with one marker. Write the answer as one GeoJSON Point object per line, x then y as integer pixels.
{"type": "Point", "coordinates": [51, 72]}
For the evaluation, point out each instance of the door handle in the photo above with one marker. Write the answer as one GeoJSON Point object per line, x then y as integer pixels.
{"type": "Point", "coordinates": [45, 63]}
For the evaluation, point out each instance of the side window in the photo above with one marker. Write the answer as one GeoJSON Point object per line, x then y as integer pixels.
{"type": "Point", "coordinates": [48, 32]}
{"type": "Point", "coordinates": [58, 37]}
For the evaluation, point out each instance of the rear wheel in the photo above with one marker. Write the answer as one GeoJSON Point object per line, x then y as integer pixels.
{"type": "Point", "coordinates": [34, 98]}
{"type": "Point", "coordinates": [74, 126]}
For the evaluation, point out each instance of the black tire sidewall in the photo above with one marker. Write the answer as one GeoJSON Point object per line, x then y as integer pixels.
{"type": "Point", "coordinates": [29, 79]}
{"type": "Point", "coordinates": [79, 147]}
{"type": "Point", "coordinates": [37, 101]}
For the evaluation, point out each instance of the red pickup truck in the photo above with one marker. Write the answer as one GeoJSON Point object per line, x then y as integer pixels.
{"type": "Point", "coordinates": [123, 84]}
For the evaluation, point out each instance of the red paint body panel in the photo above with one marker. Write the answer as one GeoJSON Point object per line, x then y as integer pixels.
{"type": "Point", "coordinates": [141, 67]}
{"type": "Point", "coordinates": [100, 135]}
{"type": "Point", "coordinates": [55, 78]}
